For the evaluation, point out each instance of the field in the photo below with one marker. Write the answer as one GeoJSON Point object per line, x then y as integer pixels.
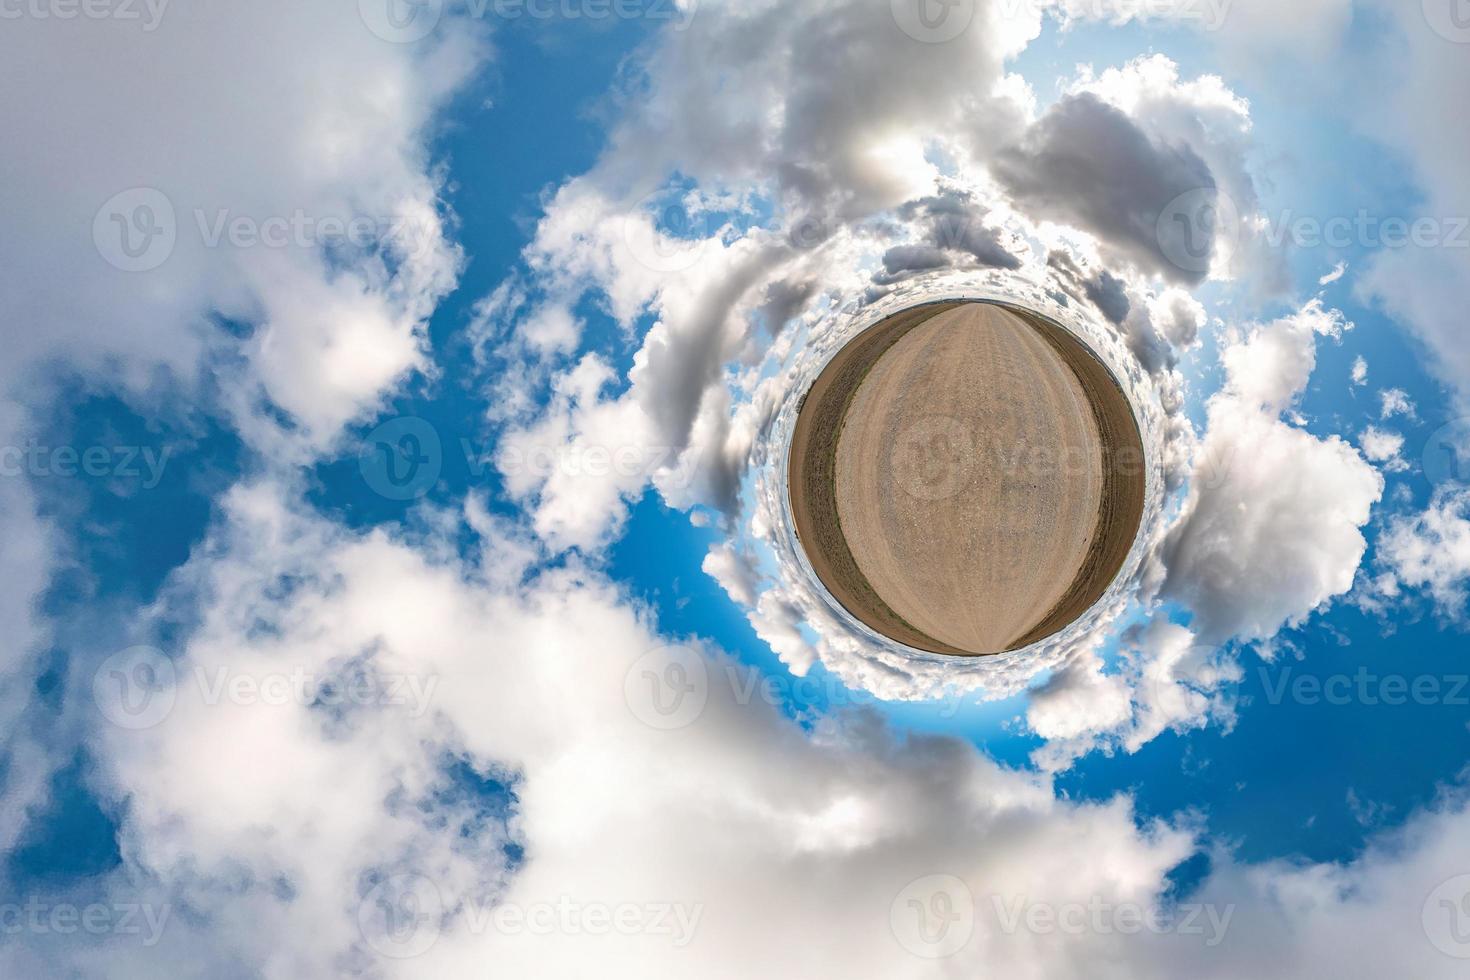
{"type": "Point", "coordinates": [966, 478]}
{"type": "Point", "coordinates": [813, 484]}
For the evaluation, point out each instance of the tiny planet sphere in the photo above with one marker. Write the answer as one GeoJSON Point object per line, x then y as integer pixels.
{"type": "Point", "coordinates": [966, 477]}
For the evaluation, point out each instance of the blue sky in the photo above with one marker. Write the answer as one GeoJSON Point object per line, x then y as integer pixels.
{"type": "Point", "coordinates": [264, 510]}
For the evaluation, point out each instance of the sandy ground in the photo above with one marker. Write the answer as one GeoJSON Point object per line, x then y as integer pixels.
{"type": "Point", "coordinates": [967, 478]}
{"type": "Point", "coordinates": [813, 485]}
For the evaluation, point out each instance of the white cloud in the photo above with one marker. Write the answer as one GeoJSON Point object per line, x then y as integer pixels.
{"type": "Point", "coordinates": [1078, 700]}
{"type": "Point", "coordinates": [1421, 286]}
{"type": "Point", "coordinates": [1165, 681]}
{"type": "Point", "coordinates": [276, 819]}
{"type": "Point", "coordinates": [275, 825]}
{"type": "Point", "coordinates": [1338, 271]}
{"type": "Point", "coordinates": [1248, 28]}
{"type": "Point", "coordinates": [1179, 317]}
{"type": "Point", "coordinates": [1115, 189]}
{"type": "Point", "coordinates": [733, 571]}
{"type": "Point", "coordinates": [294, 121]}
{"type": "Point", "coordinates": [228, 143]}
{"type": "Point", "coordinates": [698, 308]}
{"type": "Point", "coordinates": [279, 823]}
{"type": "Point", "coordinates": [1430, 550]}
{"type": "Point", "coordinates": [1175, 680]}
{"type": "Point", "coordinates": [1360, 371]}
{"type": "Point", "coordinates": [1390, 911]}
{"type": "Point", "coordinates": [1383, 446]}
{"type": "Point", "coordinates": [1396, 401]}
{"type": "Point", "coordinates": [1271, 528]}
{"type": "Point", "coordinates": [1270, 367]}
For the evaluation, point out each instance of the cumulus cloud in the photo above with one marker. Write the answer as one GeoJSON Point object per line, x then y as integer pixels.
{"type": "Point", "coordinates": [1077, 702]}
{"type": "Point", "coordinates": [1088, 163]}
{"type": "Point", "coordinates": [956, 219]}
{"type": "Point", "coordinates": [297, 120]}
{"type": "Point", "coordinates": [733, 571]}
{"type": "Point", "coordinates": [532, 741]}
{"type": "Point", "coordinates": [250, 224]}
{"type": "Point", "coordinates": [1165, 681]}
{"type": "Point", "coordinates": [1396, 401]}
{"type": "Point", "coordinates": [296, 829]}
{"type": "Point", "coordinates": [856, 193]}
{"type": "Point", "coordinates": [551, 687]}
{"type": "Point", "coordinates": [1271, 529]}
{"type": "Point", "coordinates": [1419, 284]}
{"type": "Point", "coordinates": [1430, 550]}
{"type": "Point", "coordinates": [733, 288]}
{"type": "Point", "coordinates": [1383, 446]}
{"type": "Point", "coordinates": [1179, 317]}
{"type": "Point", "coordinates": [825, 159]}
